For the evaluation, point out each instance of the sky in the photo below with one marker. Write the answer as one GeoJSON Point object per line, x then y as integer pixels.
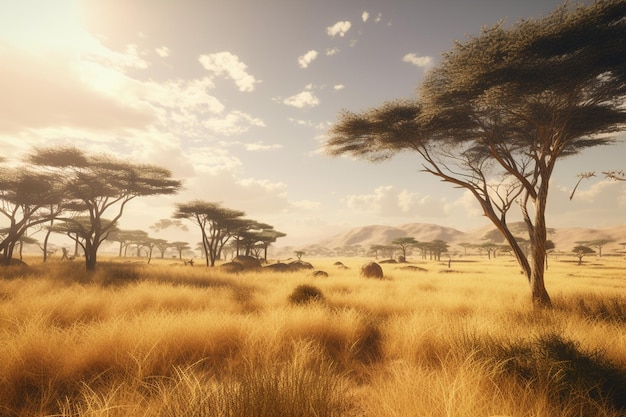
{"type": "Point", "coordinates": [236, 98]}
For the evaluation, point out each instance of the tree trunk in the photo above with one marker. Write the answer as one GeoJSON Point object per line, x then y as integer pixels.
{"type": "Point", "coordinates": [538, 238]}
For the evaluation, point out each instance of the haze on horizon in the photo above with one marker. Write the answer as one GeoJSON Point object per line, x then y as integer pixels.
{"type": "Point", "coordinates": [236, 98]}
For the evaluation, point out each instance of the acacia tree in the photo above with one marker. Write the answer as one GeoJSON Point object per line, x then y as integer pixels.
{"type": "Point", "coordinates": [216, 225]}
{"type": "Point", "coordinates": [126, 238]}
{"type": "Point", "coordinates": [27, 198]}
{"type": "Point", "coordinates": [265, 237]}
{"type": "Point", "coordinates": [501, 109]}
{"type": "Point", "coordinates": [180, 247]}
{"type": "Point", "coordinates": [404, 243]}
{"type": "Point", "coordinates": [101, 185]}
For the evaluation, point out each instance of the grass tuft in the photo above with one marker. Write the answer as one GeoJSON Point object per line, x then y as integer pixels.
{"type": "Point", "coordinates": [304, 294]}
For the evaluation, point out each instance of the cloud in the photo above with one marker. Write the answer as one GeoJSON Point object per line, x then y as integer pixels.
{"type": "Point", "coordinates": [307, 58]}
{"type": "Point", "coordinates": [303, 99]}
{"type": "Point", "coordinates": [332, 51]}
{"type": "Point", "coordinates": [338, 87]}
{"type": "Point", "coordinates": [339, 28]}
{"type": "Point", "coordinates": [365, 15]}
{"type": "Point", "coordinates": [163, 51]}
{"type": "Point", "coordinates": [388, 201]}
{"type": "Point", "coordinates": [261, 147]}
{"type": "Point", "coordinates": [235, 122]}
{"type": "Point", "coordinates": [418, 61]}
{"type": "Point", "coordinates": [48, 91]}
{"type": "Point", "coordinates": [229, 65]}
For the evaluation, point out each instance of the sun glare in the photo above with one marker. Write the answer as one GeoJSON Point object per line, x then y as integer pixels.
{"type": "Point", "coordinates": [33, 24]}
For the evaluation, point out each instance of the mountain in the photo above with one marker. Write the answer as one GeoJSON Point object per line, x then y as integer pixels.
{"type": "Point", "coordinates": [564, 238]}
{"type": "Point", "coordinates": [383, 235]}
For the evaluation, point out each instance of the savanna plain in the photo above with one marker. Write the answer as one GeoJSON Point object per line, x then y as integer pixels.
{"type": "Point", "coordinates": [428, 339]}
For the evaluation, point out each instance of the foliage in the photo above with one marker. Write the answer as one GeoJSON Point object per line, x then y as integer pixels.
{"type": "Point", "coordinates": [217, 224]}
{"type": "Point", "coordinates": [27, 199]}
{"type": "Point", "coordinates": [501, 109]}
{"type": "Point", "coordinates": [98, 185]}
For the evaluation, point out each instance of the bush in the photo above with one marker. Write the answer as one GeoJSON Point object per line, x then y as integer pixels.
{"type": "Point", "coordinates": [304, 294]}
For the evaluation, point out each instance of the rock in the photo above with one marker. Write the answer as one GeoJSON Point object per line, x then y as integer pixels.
{"type": "Point", "coordinates": [248, 262]}
{"type": "Point", "coordinates": [371, 270]}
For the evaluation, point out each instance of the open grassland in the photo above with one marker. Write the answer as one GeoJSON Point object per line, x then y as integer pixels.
{"type": "Point", "coordinates": [164, 340]}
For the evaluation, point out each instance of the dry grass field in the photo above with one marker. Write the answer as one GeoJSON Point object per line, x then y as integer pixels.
{"type": "Point", "coordinates": [164, 340]}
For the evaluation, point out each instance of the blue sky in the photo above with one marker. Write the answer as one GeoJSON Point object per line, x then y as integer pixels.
{"type": "Point", "coordinates": [236, 97]}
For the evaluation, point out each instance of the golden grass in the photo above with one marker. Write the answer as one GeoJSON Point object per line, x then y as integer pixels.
{"type": "Point", "coordinates": [164, 340]}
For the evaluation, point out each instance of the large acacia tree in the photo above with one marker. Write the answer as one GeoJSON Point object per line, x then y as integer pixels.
{"type": "Point", "coordinates": [97, 186]}
{"type": "Point", "coordinates": [501, 109]}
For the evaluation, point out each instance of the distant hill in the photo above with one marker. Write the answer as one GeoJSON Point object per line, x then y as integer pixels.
{"type": "Point", "coordinates": [565, 238]}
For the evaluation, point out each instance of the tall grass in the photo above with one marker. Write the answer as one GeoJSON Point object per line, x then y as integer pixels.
{"type": "Point", "coordinates": [159, 340]}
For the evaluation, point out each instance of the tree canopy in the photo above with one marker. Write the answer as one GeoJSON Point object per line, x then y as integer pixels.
{"type": "Point", "coordinates": [501, 109]}
{"type": "Point", "coordinates": [99, 185]}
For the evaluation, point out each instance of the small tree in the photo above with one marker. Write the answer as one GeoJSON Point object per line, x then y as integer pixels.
{"type": "Point", "coordinates": [299, 254]}
{"type": "Point", "coordinates": [581, 251]}
{"type": "Point", "coordinates": [404, 243]}
{"type": "Point", "coordinates": [180, 247]}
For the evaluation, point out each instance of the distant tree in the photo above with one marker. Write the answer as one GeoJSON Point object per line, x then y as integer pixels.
{"type": "Point", "coordinates": [150, 243]}
{"type": "Point", "coordinates": [299, 254]}
{"type": "Point", "coordinates": [258, 240]}
{"type": "Point", "coordinates": [581, 251]}
{"type": "Point", "coordinates": [490, 248]}
{"type": "Point", "coordinates": [216, 224]}
{"type": "Point", "coordinates": [623, 245]}
{"type": "Point", "coordinates": [438, 247]}
{"type": "Point", "coordinates": [164, 224]}
{"type": "Point", "coordinates": [502, 109]}
{"type": "Point", "coordinates": [162, 245]}
{"type": "Point", "coordinates": [404, 243]}
{"type": "Point", "coordinates": [465, 245]}
{"type": "Point", "coordinates": [180, 247]}
{"type": "Point", "coordinates": [598, 244]}
{"type": "Point", "coordinates": [550, 246]}
{"type": "Point", "coordinates": [99, 185]}
{"type": "Point", "coordinates": [80, 230]}
{"type": "Point", "coordinates": [382, 250]}
{"type": "Point", "coordinates": [126, 238]}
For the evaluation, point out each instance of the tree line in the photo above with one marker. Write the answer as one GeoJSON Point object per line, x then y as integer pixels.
{"type": "Point", "coordinates": [65, 190]}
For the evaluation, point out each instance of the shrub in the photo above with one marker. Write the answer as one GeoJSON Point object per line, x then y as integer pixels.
{"type": "Point", "coordinates": [304, 294]}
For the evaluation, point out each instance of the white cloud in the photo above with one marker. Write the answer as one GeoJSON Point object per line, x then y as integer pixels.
{"type": "Point", "coordinates": [307, 58]}
{"type": "Point", "coordinates": [332, 51]}
{"type": "Point", "coordinates": [418, 61]}
{"type": "Point", "coordinates": [163, 51]}
{"type": "Point", "coordinates": [262, 147]}
{"type": "Point", "coordinates": [388, 201]}
{"type": "Point", "coordinates": [229, 65]}
{"type": "Point", "coordinates": [378, 17]}
{"type": "Point", "coordinates": [365, 15]}
{"type": "Point", "coordinates": [339, 28]}
{"type": "Point", "coordinates": [235, 122]}
{"type": "Point", "coordinates": [339, 87]}
{"type": "Point", "coordinates": [301, 100]}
